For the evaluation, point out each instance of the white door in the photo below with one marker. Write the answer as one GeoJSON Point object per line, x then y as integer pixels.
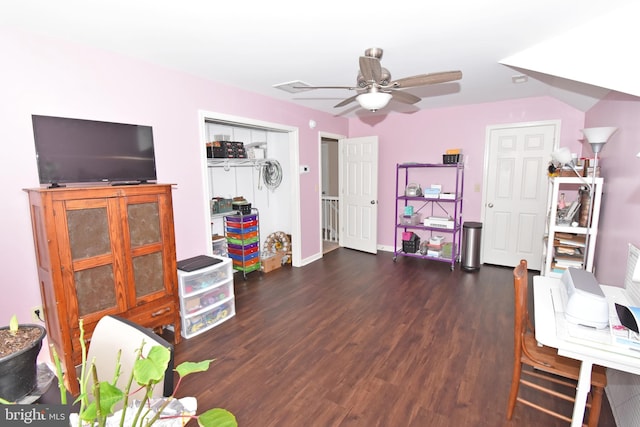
{"type": "Point", "coordinates": [515, 192]}
{"type": "Point", "coordinates": [358, 158]}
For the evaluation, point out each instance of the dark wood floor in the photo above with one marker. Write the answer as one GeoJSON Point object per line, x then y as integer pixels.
{"type": "Point", "coordinates": [359, 340]}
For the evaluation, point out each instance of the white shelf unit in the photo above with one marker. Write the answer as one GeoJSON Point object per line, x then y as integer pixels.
{"type": "Point", "coordinates": [557, 186]}
{"type": "Point", "coordinates": [206, 297]}
{"type": "Point", "coordinates": [450, 207]}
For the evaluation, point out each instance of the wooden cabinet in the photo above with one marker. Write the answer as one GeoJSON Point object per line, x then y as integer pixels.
{"type": "Point", "coordinates": [104, 250]}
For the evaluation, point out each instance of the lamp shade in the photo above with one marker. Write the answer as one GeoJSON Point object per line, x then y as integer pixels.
{"type": "Point", "coordinates": [597, 137]}
{"type": "Point", "coordinates": [373, 100]}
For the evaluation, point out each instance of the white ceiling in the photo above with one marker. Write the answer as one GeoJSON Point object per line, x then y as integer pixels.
{"type": "Point", "coordinates": [257, 44]}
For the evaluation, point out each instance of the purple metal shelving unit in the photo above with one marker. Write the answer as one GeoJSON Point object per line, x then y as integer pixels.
{"type": "Point", "coordinates": [452, 208]}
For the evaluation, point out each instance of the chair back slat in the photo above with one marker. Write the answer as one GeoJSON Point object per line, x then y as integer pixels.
{"type": "Point", "coordinates": [521, 312]}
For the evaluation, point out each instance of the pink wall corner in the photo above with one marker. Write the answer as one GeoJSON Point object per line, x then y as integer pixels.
{"type": "Point", "coordinates": [425, 135]}
{"type": "Point", "coordinates": [621, 198]}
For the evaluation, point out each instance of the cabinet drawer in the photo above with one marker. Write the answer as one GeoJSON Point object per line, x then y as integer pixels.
{"type": "Point", "coordinates": [153, 315]}
{"type": "Point", "coordinates": [211, 297]}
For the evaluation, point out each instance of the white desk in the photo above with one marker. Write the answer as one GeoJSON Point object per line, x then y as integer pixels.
{"type": "Point", "coordinates": [550, 331]}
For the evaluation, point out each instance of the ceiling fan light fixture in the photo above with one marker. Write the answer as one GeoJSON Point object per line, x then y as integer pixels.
{"type": "Point", "coordinates": [373, 101]}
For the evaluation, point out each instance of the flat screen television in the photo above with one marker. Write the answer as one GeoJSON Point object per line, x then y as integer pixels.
{"type": "Point", "coordinates": [88, 151]}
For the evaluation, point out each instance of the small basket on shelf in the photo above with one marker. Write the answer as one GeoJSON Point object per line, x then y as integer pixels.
{"type": "Point", "coordinates": [449, 159]}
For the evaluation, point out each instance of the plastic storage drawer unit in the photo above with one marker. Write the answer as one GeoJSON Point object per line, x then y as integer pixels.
{"type": "Point", "coordinates": [206, 296]}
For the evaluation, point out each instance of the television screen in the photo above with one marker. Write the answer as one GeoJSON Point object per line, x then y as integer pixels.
{"type": "Point", "coordinates": [77, 151]}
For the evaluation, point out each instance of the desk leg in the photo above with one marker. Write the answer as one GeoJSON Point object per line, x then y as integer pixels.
{"type": "Point", "coordinates": [584, 386]}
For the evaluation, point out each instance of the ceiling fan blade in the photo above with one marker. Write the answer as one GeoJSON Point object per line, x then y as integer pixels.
{"type": "Point", "coordinates": [404, 97]}
{"type": "Point", "coordinates": [326, 87]}
{"type": "Point", "coordinates": [426, 79]}
{"type": "Point", "coordinates": [346, 101]}
{"type": "Point", "coordinates": [371, 69]}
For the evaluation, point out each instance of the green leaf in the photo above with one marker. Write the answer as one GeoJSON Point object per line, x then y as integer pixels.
{"type": "Point", "coordinates": [150, 369]}
{"type": "Point", "coordinates": [186, 368]}
{"type": "Point", "coordinates": [13, 324]}
{"type": "Point", "coordinates": [217, 417]}
{"type": "Point", "coordinates": [109, 396]}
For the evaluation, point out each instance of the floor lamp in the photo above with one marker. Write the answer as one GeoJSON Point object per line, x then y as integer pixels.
{"type": "Point", "coordinates": [596, 137]}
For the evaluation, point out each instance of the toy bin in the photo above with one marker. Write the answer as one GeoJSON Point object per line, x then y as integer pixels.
{"type": "Point", "coordinates": [411, 245]}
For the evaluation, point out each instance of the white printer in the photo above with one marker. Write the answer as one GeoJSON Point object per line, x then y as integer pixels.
{"type": "Point", "coordinates": [586, 303]}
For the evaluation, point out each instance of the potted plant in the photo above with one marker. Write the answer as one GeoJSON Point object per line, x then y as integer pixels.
{"type": "Point", "coordinates": [19, 349]}
{"type": "Point", "coordinates": [98, 404]}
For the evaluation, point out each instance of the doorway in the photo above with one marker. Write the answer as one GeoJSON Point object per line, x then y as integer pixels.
{"type": "Point", "coordinates": [356, 167]}
{"type": "Point", "coordinates": [279, 208]}
{"type": "Point", "coordinates": [515, 191]}
{"type": "Point", "coordinates": [330, 225]}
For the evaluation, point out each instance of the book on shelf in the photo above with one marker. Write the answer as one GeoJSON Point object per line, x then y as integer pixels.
{"type": "Point", "coordinates": [569, 258]}
{"type": "Point", "coordinates": [568, 262]}
{"type": "Point", "coordinates": [568, 239]}
{"type": "Point", "coordinates": [568, 250]}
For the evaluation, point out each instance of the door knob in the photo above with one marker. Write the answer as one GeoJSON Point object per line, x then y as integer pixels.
{"type": "Point", "coordinates": [373, 202]}
{"type": "Point", "coordinates": [490, 205]}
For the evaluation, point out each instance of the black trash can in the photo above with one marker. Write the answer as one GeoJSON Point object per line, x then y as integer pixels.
{"type": "Point", "coordinates": [471, 239]}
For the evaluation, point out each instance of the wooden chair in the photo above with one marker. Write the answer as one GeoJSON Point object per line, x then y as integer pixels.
{"type": "Point", "coordinates": [542, 361]}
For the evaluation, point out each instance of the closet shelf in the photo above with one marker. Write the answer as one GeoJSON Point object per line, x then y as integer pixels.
{"type": "Point", "coordinates": [233, 162]}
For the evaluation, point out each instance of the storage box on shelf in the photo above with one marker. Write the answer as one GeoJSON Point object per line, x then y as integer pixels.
{"type": "Point", "coordinates": [206, 297]}
{"type": "Point", "coordinates": [442, 216]}
{"type": "Point", "coordinates": [219, 244]}
{"type": "Point", "coordinates": [243, 240]}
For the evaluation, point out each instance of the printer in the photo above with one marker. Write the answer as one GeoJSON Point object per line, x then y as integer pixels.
{"type": "Point", "coordinates": [586, 304]}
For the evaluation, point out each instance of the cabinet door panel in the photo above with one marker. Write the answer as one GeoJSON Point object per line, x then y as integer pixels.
{"type": "Point", "coordinates": [144, 223]}
{"type": "Point", "coordinates": [95, 289]}
{"type": "Point", "coordinates": [93, 261]}
{"type": "Point", "coordinates": [147, 247]}
{"type": "Point", "coordinates": [148, 274]}
{"type": "Point", "coordinates": [88, 232]}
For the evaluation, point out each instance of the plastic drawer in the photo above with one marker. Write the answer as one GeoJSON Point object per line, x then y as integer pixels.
{"type": "Point", "coordinates": [198, 281]}
{"type": "Point", "coordinates": [246, 251]}
{"type": "Point", "coordinates": [203, 301]}
{"type": "Point", "coordinates": [244, 242]}
{"type": "Point", "coordinates": [246, 256]}
{"type": "Point", "coordinates": [248, 246]}
{"type": "Point", "coordinates": [241, 218]}
{"type": "Point", "coordinates": [197, 324]}
{"type": "Point", "coordinates": [248, 267]}
{"type": "Point", "coordinates": [243, 236]}
{"type": "Point", "coordinates": [242, 230]}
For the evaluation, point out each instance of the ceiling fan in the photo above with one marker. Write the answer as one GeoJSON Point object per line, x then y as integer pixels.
{"type": "Point", "coordinates": [376, 88]}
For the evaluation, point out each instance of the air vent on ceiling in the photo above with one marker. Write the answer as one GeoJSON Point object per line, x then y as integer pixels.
{"type": "Point", "coordinates": [293, 87]}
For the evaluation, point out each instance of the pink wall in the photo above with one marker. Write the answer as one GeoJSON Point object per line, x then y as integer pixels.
{"type": "Point", "coordinates": [49, 77]}
{"type": "Point", "coordinates": [424, 136]}
{"type": "Point", "coordinates": [621, 199]}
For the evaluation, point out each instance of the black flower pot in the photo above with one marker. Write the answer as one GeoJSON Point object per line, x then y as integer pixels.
{"type": "Point", "coordinates": [18, 371]}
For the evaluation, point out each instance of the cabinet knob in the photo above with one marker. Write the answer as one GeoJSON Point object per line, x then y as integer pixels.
{"type": "Point", "coordinates": [490, 205]}
{"type": "Point", "coordinates": [373, 202]}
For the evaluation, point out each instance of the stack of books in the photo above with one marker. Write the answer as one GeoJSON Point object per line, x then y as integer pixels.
{"type": "Point", "coordinates": [568, 251]}
{"type": "Point", "coordinates": [434, 247]}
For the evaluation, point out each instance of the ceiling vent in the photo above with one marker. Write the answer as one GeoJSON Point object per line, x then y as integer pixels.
{"type": "Point", "coordinates": [293, 87]}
